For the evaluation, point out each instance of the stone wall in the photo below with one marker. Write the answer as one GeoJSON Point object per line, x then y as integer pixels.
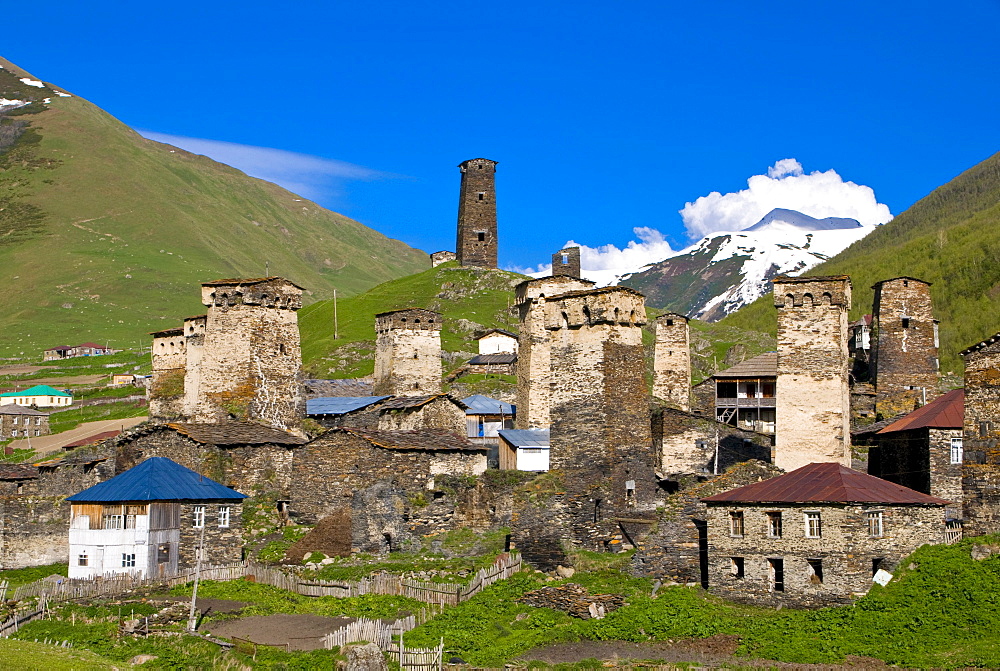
{"type": "Point", "coordinates": [437, 258]}
{"type": "Point", "coordinates": [848, 554]}
{"type": "Point", "coordinates": [194, 338]}
{"type": "Point", "coordinates": [686, 444]}
{"type": "Point", "coordinates": [533, 348]}
{"type": "Point", "coordinates": [33, 530]}
{"type": "Point", "coordinates": [812, 413]}
{"type": "Point", "coordinates": [166, 389]}
{"type": "Point", "coordinates": [439, 413]}
{"type": "Point", "coordinates": [476, 244]}
{"type": "Point", "coordinates": [9, 423]}
{"type": "Point", "coordinates": [222, 544]}
{"type": "Point", "coordinates": [567, 262]}
{"type": "Point", "coordinates": [251, 364]}
{"type": "Point", "coordinates": [905, 348]}
{"type": "Point", "coordinates": [981, 438]}
{"type": "Point", "coordinates": [408, 352]}
{"type": "Point", "coordinates": [920, 459]}
{"type": "Point", "coordinates": [672, 361]}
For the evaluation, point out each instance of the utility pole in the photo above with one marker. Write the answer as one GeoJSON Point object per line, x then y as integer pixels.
{"type": "Point", "coordinates": [192, 620]}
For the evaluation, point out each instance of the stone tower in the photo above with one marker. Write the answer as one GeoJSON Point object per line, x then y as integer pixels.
{"type": "Point", "coordinates": [194, 339]}
{"type": "Point", "coordinates": [672, 361]}
{"type": "Point", "coordinates": [600, 437]}
{"type": "Point", "coordinates": [477, 214]}
{"type": "Point", "coordinates": [166, 392]}
{"type": "Point", "coordinates": [251, 362]}
{"type": "Point", "coordinates": [533, 347]}
{"type": "Point", "coordinates": [812, 404]}
{"type": "Point", "coordinates": [567, 262]}
{"type": "Point", "coordinates": [905, 352]}
{"type": "Point", "coordinates": [981, 438]}
{"type": "Point", "coordinates": [408, 353]}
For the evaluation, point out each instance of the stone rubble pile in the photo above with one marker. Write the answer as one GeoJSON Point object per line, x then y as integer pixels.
{"type": "Point", "coordinates": [574, 600]}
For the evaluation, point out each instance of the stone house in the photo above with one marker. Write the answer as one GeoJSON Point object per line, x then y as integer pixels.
{"type": "Point", "coordinates": [524, 450]}
{"type": "Point", "coordinates": [57, 352]}
{"type": "Point", "coordinates": [18, 421]}
{"type": "Point", "coordinates": [487, 364]}
{"type": "Point", "coordinates": [689, 444]}
{"type": "Point", "coordinates": [745, 394]}
{"type": "Point", "coordinates": [408, 352]}
{"type": "Point", "coordinates": [485, 416]}
{"type": "Point", "coordinates": [924, 450]}
{"type": "Point", "coordinates": [391, 413]}
{"type": "Point", "coordinates": [815, 536]}
{"type": "Point", "coordinates": [39, 396]}
{"type": "Point", "coordinates": [567, 262]}
{"type": "Point", "coordinates": [150, 520]}
{"type": "Point", "coordinates": [437, 258]}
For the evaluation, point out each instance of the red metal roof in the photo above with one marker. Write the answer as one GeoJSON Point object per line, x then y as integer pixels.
{"type": "Point", "coordinates": [944, 412]}
{"type": "Point", "coordinates": [91, 440]}
{"type": "Point", "coordinates": [825, 483]}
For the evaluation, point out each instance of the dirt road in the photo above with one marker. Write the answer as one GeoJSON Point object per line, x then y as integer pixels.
{"type": "Point", "coordinates": [48, 444]}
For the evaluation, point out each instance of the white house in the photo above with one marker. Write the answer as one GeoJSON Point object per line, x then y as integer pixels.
{"type": "Point", "coordinates": [497, 341]}
{"type": "Point", "coordinates": [149, 521]}
{"type": "Point", "coordinates": [40, 396]}
{"type": "Point", "coordinates": [524, 449]}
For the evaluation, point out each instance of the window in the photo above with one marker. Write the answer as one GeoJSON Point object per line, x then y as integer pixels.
{"type": "Point", "coordinates": [815, 571]}
{"type": "Point", "coordinates": [736, 523]}
{"type": "Point", "coordinates": [956, 450]}
{"type": "Point", "coordinates": [481, 195]}
{"type": "Point", "coordinates": [531, 450]}
{"type": "Point", "coordinates": [737, 567]}
{"type": "Point", "coordinates": [163, 554]}
{"type": "Point", "coordinates": [82, 560]}
{"type": "Point", "coordinates": [13, 420]}
{"type": "Point", "coordinates": [114, 520]}
{"type": "Point", "coordinates": [877, 565]}
{"type": "Point", "coordinates": [814, 526]}
{"type": "Point", "coordinates": [224, 517]}
{"type": "Point", "coordinates": [13, 433]}
{"type": "Point", "coordinates": [199, 517]}
{"type": "Point", "coordinates": [776, 574]}
{"type": "Point", "coordinates": [774, 525]}
{"type": "Point", "coordinates": [874, 523]}
{"type": "Point", "coordinates": [906, 322]}
{"type": "Point", "coordinates": [565, 259]}
{"type": "Point", "coordinates": [984, 429]}
{"type": "Point", "coordinates": [128, 560]}
{"type": "Point", "coordinates": [670, 322]}
{"type": "Point", "coordinates": [481, 236]}
{"type": "Point", "coordinates": [38, 432]}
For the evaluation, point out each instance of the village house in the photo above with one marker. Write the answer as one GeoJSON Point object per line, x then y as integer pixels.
{"type": "Point", "coordinates": [18, 421]}
{"type": "Point", "coordinates": [745, 394]}
{"type": "Point", "coordinates": [524, 450]}
{"type": "Point", "coordinates": [497, 341]}
{"type": "Point", "coordinates": [83, 349]}
{"type": "Point", "coordinates": [39, 396]}
{"type": "Point", "coordinates": [815, 536]}
{"type": "Point", "coordinates": [690, 444]}
{"type": "Point", "coordinates": [389, 413]}
{"type": "Point", "coordinates": [150, 520]}
{"type": "Point", "coordinates": [485, 416]}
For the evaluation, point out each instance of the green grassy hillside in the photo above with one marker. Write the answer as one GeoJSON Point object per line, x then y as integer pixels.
{"type": "Point", "coordinates": [951, 238]}
{"type": "Point", "coordinates": [105, 235]}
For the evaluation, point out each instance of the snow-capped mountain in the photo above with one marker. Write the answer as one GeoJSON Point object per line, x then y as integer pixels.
{"type": "Point", "coordinates": [725, 271]}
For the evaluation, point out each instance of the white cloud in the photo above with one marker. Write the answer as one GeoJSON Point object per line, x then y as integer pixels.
{"type": "Point", "coordinates": [786, 185]}
{"type": "Point", "coordinates": [310, 176]}
{"type": "Point", "coordinates": [606, 263]}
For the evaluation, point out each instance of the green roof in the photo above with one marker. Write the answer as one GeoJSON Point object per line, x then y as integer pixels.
{"type": "Point", "coordinates": [38, 390]}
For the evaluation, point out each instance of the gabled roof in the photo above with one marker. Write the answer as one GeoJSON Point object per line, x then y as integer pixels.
{"type": "Point", "coordinates": [235, 433]}
{"type": "Point", "coordinates": [980, 345]}
{"type": "Point", "coordinates": [484, 405]}
{"type": "Point", "coordinates": [92, 440]}
{"type": "Point", "coordinates": [92, 345]}
{"type": "Point", "coordinates": [493, 359]}
{"type": "Point", "coordinates": [339, 405]}
{"type": "Point", "coordinates": [170, 332]}
{"type": "Point", "coordinates": [526, 437]}
{"type": "Point", "coordinates": [901, 277]}
{"type": "Point", "coordinates": [407, 402]}
{"type": "Point", "coordinates": [496, 331]}
{"type": "Point", "coordinates": [247, 281]}
{"type": "Point", "coordinates": [59, 348]}
{"type": "Point", "coordinates": [424, 439]}
{"type": "Point", "coordinates": [866, 320]}
{"type": "Point", "coordinates": [38, 390]}
{"type": "Point", "coordinates": [825, 483]}
{"type": "Point", "coordinates": [14, 409]}
{"type": "Point", "coordinates": [331, 388]}
{"type": "Point", "coordinates": [762, 365]}
{"type": "Point", "coordinates": [158, 479]}
{"type": "Point", "coordinates": [944, 412]}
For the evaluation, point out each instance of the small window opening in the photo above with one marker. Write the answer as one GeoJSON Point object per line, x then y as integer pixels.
{"type": "Point", "coordinates": [877, 565]}
{"type": "Point", "coordinates": [481, 195]}
{"type": "Point", "coordinates": [438, 495]}
{"type": "Point", "coordinates": [82, 560]}
{"type": "Point", "coordinates": [737, 567]}
{"type": "Point", "coordinates": [906, 322]}
{"type": "Point", "coordinates": [565, 258]}
{"type": "Point", "coordinates": [597, 510]}
{"type": "Point", "coordinates": [670, 322]}
{"type": "Point", "coordinates": [815, 571]}
{"type": "Point", "coordinates": [481, 236]}
{"type": "Point", "coordinates": [956, 451]}
{"type": "Point", "coordinates": [776, 574]}
{"type": "Point", "coordinates": [875, 527]}
{"type": "Point", "coordinates": [281, 348]}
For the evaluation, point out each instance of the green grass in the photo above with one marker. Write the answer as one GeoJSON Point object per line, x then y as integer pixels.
{"type": "Point", "coordinates": [70, 419]}
{"type": "Point", "coordinates": [22, 576]}
{"type": "Point", "coordinates": [31, 656]}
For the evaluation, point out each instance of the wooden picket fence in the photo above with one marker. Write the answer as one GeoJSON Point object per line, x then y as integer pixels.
{"type": "Point", "coordinates": [13, 623]}
{"type": "Point", "coordinates": [384, 635]}
{"type": "Point", "coordinates": [419, 658]}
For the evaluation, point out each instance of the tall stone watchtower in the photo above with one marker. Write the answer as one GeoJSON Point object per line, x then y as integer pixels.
{"type": "Point", "coordinates": [812, 404]}
{"type": "Point", "coordinates": [169, 356]}
{"type": "Point", "coordinates": [252, 360]}
{"type": "Point", "coordinates": [533, 361]}
{"type": "Point", "coordinates": [981, 438]}
{"type": "Point", "coordinates": [408, 352]}
{"type": "Point", "coordinates": [477, 214]}
{"type": "Point", "coordinates": [905, 352]}
{"type": "Point", "coordinates": [567, 262]}
{"type": "Point", "coordinates": [672, 361]}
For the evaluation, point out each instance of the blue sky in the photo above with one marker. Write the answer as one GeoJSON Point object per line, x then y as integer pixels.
{"type": "Point", "coordinates": [605, 117]}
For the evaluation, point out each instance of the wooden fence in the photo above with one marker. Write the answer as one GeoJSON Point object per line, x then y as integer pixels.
{"type": "Point", "coordinates": [952, 531]}
{"type": "Point", "coordinates": [384, 635]}
{"type": "Point", "coordinates": [12, 624]}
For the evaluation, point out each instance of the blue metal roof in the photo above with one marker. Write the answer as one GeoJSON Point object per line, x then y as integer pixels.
{"type": "Point", "coordinates": [526, 437]}
{"type": "Point", "coordinates": [338, 405]}
{"type": "Point", "coordinates": [158, 479]}
{"type": "Point", "coordinates": [484, 405]}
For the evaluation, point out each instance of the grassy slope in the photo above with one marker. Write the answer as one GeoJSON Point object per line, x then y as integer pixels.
{"type": "Point", "coordinates": [30, 655]}
{"type": "Point", "coordinates": [132, 226]}
{"type": "Point", "coordinates": [950, 238]}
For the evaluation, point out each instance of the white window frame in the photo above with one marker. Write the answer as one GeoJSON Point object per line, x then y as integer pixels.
{"type": "Point", "coordinates": [957, 451]}
{"type": "Point", "coordinates": [128, 560]}
{"type": "Point", "coordinates": [198, 513]}
{"type": "Point", "coordinates": [809, 517]}
{"type": "Point", "coordinates": [876, 523]}
{"type": "Point", "coordinates": [82, 559]}
{"type": "Point", "coordinates": [224, 517]}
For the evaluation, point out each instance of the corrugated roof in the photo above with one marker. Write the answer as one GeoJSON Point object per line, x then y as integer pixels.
{"type": "Point", "coordinates": [944, 412]}
{"type": "Point", "coordinates": [424, 439]}
{"type": "Point", "coordinates": [18, 472]}
{"type": "Point", "coordinates": [14, 409]}
{"type": "Point", "coordinates": [158, 479]}
{"type": "Point", "coordinates": [59, 348]}
{"type": "Point", "coordinates": [526, 437]}
{"type": "Point", "coordinates": [235, 433]}
{"type": "Point", "coordinates": [339, 405]}
{"type": "Point", "coordinates": [484, 405]}
{"type": "Point", "coordinates": [825, 483]}
{"type": "Point", "coordinates": [762, 365]}
{"type": "Point", "coordinates": [492, 359]}
{"type": "Point", "coordinates": [38, 390]}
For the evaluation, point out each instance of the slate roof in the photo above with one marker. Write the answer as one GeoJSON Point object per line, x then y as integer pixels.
{"type": "Point", "coordinates": [980, 345]}
{"type": "Point", "coordinates": [484, 405]}
{"type": "Point", "coordinates": [492, 359]}
{"type": "Point", "coordinates": [235, 433]}
{"type": "Point", "coordinates": [406, 402]}
{"type": "Point", "coordinates": [901, 277]}
{"type": "Point", "coordinates": [825, 483]}
{"type": "Point", "coordinates": [158, 479]}
{"type": "Point", "coordinates": [500, 331]}
{"type": "Point", "coordinates": [15, 409]}
{"type": "Point", "coordinates": [434, 440]}
{"type": "Point", "coordinates": [526, 437]}
{"type": "Point", "coordinates": [787, 279]}
{"type": "Point", "coordinates": [37, 390]}
{"type": "Point", "coordinates": [944, 412]}
{"type": "Point", "coordinates": [18, 472]}
{"type": "Point", "coordinates": [174, 331]}
{"type": "Point", "coordinates": [331, 388]}
{"type": "Point", "coordinates": [762, 365]}
{"type": "Point", "coordinates": [339, 405]}
{"type": "Point", "coordinates": [247, 281]}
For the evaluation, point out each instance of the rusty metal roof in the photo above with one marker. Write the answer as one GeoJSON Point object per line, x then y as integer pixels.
{"type": "Point", "coordinates": [944, 412]}
{"type": "Point", "coordinates": [826, 483]}
{"type": "Point", "coordinates": [92, 440]}
{"type": "Point", "coordinates": [762, 365]}
{"type": "Point", "coordinates": [235, 433]}
{"type": "Point", "coordinates": [424, 439]}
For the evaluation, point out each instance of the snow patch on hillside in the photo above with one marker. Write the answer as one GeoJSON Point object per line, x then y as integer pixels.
{"type": "Point", "coordinates": [32, 82]}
